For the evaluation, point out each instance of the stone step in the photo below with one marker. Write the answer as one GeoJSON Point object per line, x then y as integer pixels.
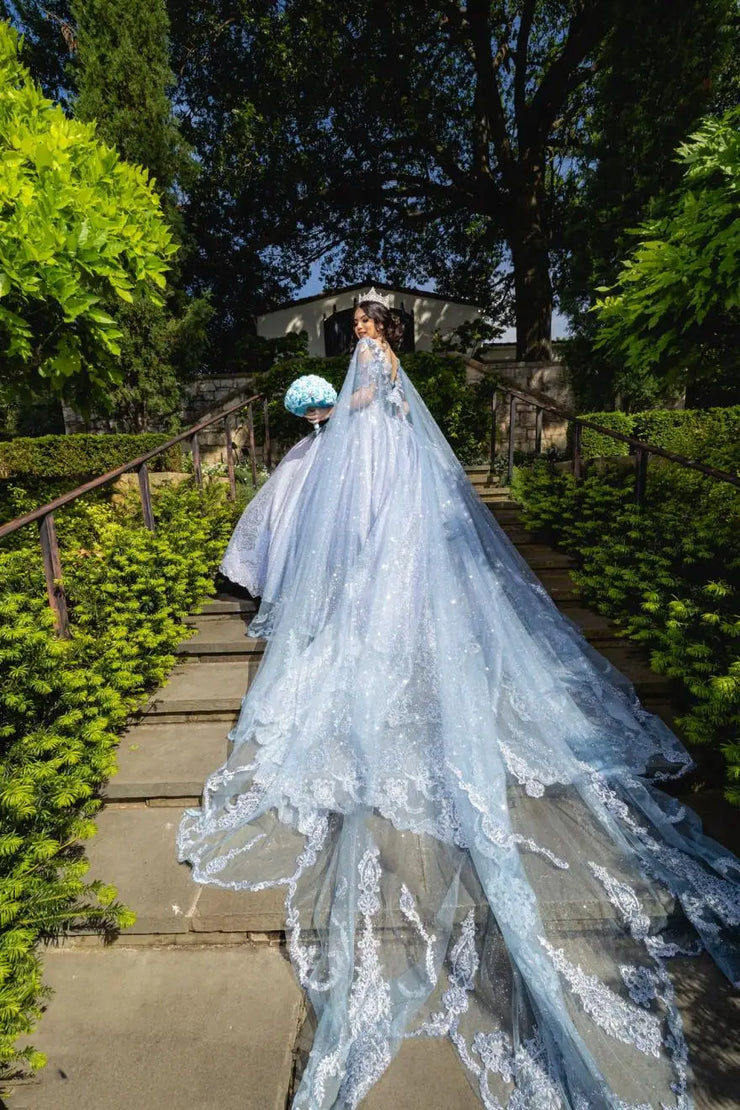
{"type": "Point", "coordinates": [135, 851]}
{"type": "Point", "coordinates": [559, 584]}
{"type": "Point", "coordinates": [657, 703]}
{"type": "Point", "coordinates": [224, 639]}
{"type": "Point", "coordinates": [201, 691]}
{"type": "Point", "coordinates": [541, 557]}
{"type": "Point", "coordinates": [594, 626]}
{"type": "Point", "coordinates": [161, 762]}
{"type": "Point", "coordinates": [499, 504]}
{"type": "Point", "coordinates": [220, 638]}
{"type": "Point", "coordinates": [159, 1028]}
{"type": "Point", "coordinates": [631, 661]}
{"type": "Point", "coordinates": [518, 535]}
{"type": "Point", "coordinates": [480, 470]}
{"type": "Point", "coordinates": [482, 482]}
{"type": "Point", "coordinates": [225, 605]}
{"type": "Point", "coordinates": [507, 515]}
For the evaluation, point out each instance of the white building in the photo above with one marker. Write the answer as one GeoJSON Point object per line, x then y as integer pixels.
{"type": "Point", "coordinates": [327, 317]}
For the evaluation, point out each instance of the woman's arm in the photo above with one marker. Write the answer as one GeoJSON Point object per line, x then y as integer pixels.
{"type": "Point", "coordinates": [369, 366]}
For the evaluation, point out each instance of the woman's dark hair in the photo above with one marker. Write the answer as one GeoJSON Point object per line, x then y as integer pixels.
{"type": "Point", "coordinates": [387, 322]}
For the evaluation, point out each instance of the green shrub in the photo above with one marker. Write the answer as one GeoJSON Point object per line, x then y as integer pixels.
{"type": "Point", "coordinates": [82, 456]}
{"type": "Point", "coordinates": [594, 445]}
{"type": "Point", "coordinates": [707, 435]}
{"type": "Point", "coordinates": [62, 704]}
{"type": "Point", "coordinates": [669, 573]}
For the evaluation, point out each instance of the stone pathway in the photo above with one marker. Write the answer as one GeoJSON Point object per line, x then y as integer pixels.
{"type": "Point", "coordinates": [196, 1005]}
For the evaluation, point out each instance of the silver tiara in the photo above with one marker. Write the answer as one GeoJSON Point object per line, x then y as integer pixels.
{"type": "Point", "coordinates": [374, 295]}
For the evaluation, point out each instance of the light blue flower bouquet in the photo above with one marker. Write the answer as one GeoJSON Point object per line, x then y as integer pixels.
{"type": "Point", "coordinates": [309, 392]}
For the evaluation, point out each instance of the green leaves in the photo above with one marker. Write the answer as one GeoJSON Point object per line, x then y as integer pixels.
{"type": "Point", "coordinates": [675, 310]}
{"type": "Point", "coordinates": [62, 704]}
{"type": "Point", "coordinates": [669, 573]}
{"type": "Point", "coordinates": [79, 229]}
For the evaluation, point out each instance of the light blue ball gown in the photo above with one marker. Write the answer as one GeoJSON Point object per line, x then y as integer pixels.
{"type": "Point", "coordinates": [257, 551]}
{"type": "Point", "coordinates": [457, 796]}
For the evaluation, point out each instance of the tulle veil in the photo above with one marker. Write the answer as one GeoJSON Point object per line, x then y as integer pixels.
{"type": "Point", "coordinates": [457, 796]}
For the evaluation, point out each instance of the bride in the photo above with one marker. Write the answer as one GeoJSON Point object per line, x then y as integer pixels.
{"type": "Point", "coordinates": [456, 793]}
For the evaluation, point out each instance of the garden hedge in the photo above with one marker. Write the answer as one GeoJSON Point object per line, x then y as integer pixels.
{"type": "Point", "coordinates": [668, 573]}
{"type": "Point", "coordinates": [81, 456]}
{"type": "Point", "coordinates": [707, 435]}
{"type": "Point", "coordinates": [63, 704]}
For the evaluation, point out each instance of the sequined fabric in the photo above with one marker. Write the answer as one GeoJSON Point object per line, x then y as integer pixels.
{"type": "Point", "coordinates": [457, 796]}
{"type": "Point", "coordinates": [257, 546]}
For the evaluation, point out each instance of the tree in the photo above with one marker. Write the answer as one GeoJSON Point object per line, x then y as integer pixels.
{"type": "Point", "coordinates": [80, 230]}
{"type": "Point", "coordinates": [122, 81]}
{"type": "Point", "coordinates": [122, 77]}
{"type": "Point", "coordinates": [48, 41]}
{"type": "Point", "coordinates": [473, 180]}
{"type": "Point", "coordinates": [640, 111]}
{"type": "Point", "coordinates": [453, 177]}
{"type": "Point", "coordinates": [673, 318]}
{"type": "Point", "coordinates": [160, 349]}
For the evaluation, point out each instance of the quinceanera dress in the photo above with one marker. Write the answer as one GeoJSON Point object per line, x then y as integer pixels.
{"type": "Point", "coordinates": [457, 796]}
{"type": "Point", "coordinates": [257, 551]}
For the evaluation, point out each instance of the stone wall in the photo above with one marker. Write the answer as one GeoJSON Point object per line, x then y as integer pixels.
{"type": "Point", "coordinates": [547, 378]}
{"type": "Point", "coordinates": [208, 395]}
{"type": "Point", "coordinates": [203, 398]}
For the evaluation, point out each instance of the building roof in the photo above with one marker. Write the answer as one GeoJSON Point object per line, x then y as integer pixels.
{"type": "Point", "coordinates": [403, 290]}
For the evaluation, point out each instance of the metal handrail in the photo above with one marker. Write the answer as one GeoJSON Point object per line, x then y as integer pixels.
{"type": "Point", "coordinates": [541, 403]}
{"type": "Point", "coordinates": [45, 514]}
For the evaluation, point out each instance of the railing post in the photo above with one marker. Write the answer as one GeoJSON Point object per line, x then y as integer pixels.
{"type": "Point", "coordinates": [512, 422]}
{"type": "Point", "coordinates": [268, 441]}
{"type": "Point", "coordinates": [494, 418]}
{"type": "Point", "coordinates": [197, 469]}
{"type": "Point", "coordinates": [53, 575]}
{"type": "Point", "coordinates": [230, 458]}
{"type": "Point", "coordinates": [250, 430]}
{"type": "Point", "coordinates": [641, 463]}
{"type": "Point", "coordinates": [577, 456]}
{"type": "Point", "coordinates": [146, 497]}
{"type": "Point", "coordinates": [538, 431]}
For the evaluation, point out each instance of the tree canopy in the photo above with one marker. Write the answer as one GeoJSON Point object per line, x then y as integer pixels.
{"type": "Point", "coordinates": [674, 316]}
{"type": "Point", "coordinates": [434, 141]}
{"type": "Point", "coordinates": [500, 151]}
{"type": "Point", "coordinates": [79, 230]}
{"type": "Point", "coordinates": [685, 68]}
{"type": "Point", "coordinates": [122, 77]}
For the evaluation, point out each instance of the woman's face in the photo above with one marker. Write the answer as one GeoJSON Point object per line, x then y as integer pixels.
{"type": "Point", "coordinates": [364, 326]}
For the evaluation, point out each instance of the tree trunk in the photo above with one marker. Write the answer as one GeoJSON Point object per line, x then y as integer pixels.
{"type": "Point", "coordinates": [531, 260]}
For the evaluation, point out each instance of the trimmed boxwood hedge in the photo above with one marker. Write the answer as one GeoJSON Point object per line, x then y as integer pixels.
{"type": "Point", "coordinates": [706, 435]}
{"type": "Point", "coordinates": [81, 456]}
{"type": "Point", "coordinates": [594, 445]}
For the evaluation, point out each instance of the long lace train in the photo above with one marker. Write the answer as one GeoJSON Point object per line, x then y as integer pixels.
{"type": "Point", "coordinates": [457, 796]}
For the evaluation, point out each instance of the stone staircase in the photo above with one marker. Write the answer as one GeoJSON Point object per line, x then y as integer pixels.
{"type": "Point", "coordinates": [220, 951]}
{"type": "Point", "coordinates": [181, 736]}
